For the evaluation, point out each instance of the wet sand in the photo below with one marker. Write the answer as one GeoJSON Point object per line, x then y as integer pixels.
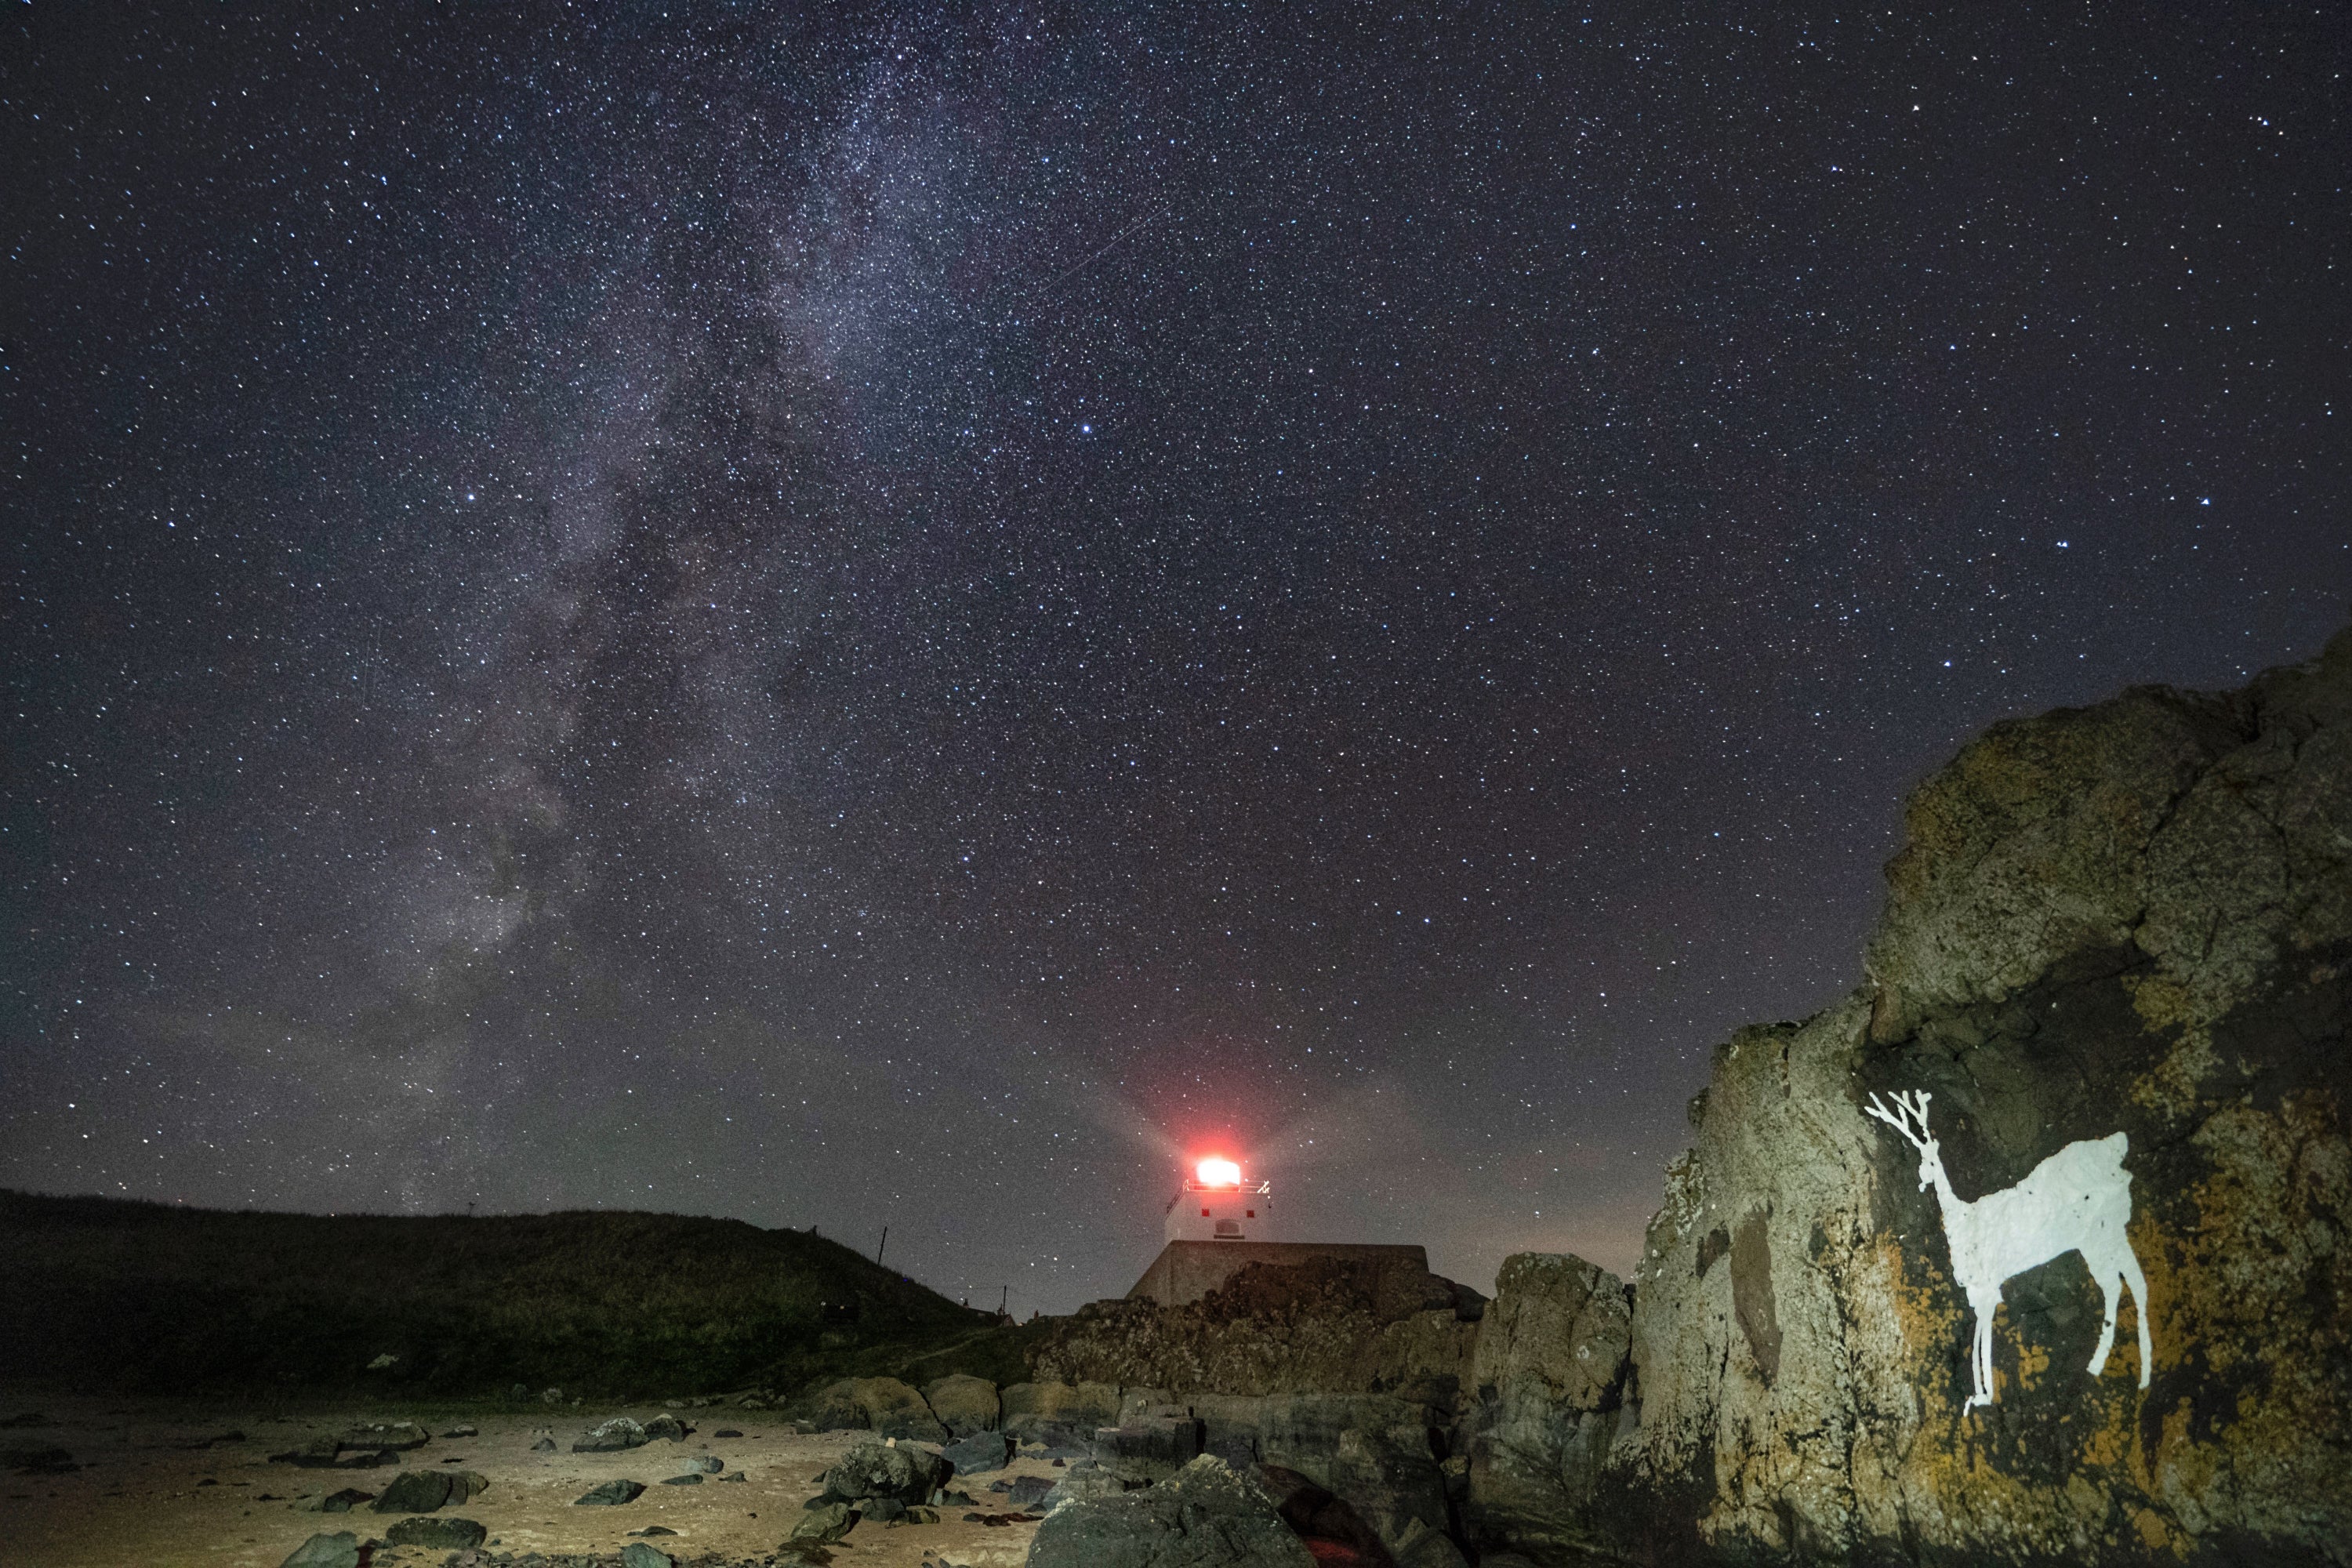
{"type": "Point", "coordinates": [147, 1494]}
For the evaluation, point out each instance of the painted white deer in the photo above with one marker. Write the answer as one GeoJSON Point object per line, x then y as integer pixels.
{"type": "Point", "coordinates": [2078, 1200]}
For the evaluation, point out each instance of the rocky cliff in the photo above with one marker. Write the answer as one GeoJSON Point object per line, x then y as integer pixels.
{"type": "Point", "coordinates": [2105, 1023]}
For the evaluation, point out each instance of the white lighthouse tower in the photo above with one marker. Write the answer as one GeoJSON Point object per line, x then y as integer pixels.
{"type": "Point", "coordinates": [1215, 1204]}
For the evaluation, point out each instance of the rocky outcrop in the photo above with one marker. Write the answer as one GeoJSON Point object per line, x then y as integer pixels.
{"type": "Point", "coordinates": [1323, 1325]}
{"type": "Point", "coordinates": [2116, 962]}
{"type": "Point", "coordinates": [1036, 1411]}
{"type": "Point", "coordinates": [1550, 1377]}
{"type": "Point", "coordinates": [1205, 1516]}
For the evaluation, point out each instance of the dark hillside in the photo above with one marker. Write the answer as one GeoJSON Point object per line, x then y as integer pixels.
{"type": "Point", "coordinates": [104, 1293]}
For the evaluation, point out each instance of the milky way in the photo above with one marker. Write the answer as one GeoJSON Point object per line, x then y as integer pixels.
{"type": "Point", "coordinates": [905, 617]}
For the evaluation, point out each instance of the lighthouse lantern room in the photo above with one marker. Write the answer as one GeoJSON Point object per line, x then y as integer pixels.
{"type": "Point", "coordinates": [1215, 1204]}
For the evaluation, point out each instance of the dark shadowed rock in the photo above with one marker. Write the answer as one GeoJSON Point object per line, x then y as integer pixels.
{"type": "Point", "coordinates": [611, 1494]}
{"type": "Point", "coordinates": [396, 1435]}
{"type": "Point", "coordinates": [979, 1453]}
{"type": "Point", "coordinates": [1084, 1480]}
{"type": "Point", "coordinates": [340, 1549]}
{"type": "Point", "coordinates": [637, 1554]}
{"type": "Point", "coordinates": [1025, 1493]}
{"type": "Point", "coordinates": [448, 1534]}
{"type": "Point", "coordinates": [965, 1404]}
{"type": "Point", "coordinates": [824, 1523]}
{"type": "Point", "coordinates": [612, 1437]}
{"type": "Point", "coordinates": [343, 1501]}
{"type": "Point", "coordinates": [1152, 1447]}
{"type": "Point", "coordinates": [873, 1470]}
{"type": "Point", "coordinates": [666, 1427]}
{"type": "Point", "coordinates": [414, 1491]}
{"type": "Point", "coordinates": [1205, 1516]}
{"type": "Point", "coordinates": [691, 1478]}
{"type": "Point", "coordinates": [704, 1463]}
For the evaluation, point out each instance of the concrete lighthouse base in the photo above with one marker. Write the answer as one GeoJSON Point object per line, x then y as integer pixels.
{"type": "Point", "coordinates": [1187, 1270]}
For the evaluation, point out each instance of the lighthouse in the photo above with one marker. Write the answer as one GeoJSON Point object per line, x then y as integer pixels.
{"type": "Point", "coordinates": [1219, 1223]}
{"type": "Point", "coordinates": [1215, 1204]}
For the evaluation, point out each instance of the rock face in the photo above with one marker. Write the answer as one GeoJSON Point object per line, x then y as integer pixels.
{"type": "Point", "coordinates": [2116, 962]}
{"type": "Point", "coordinates": [1204, 1516]}
{"type": "Point", "coordinates": [1549, 1376]}
{"type": "Point", "coordinates": [1323, 1325]}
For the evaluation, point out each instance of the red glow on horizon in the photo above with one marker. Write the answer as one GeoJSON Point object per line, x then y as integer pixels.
{"type": "Point", "coordinates": [1214, 1171]}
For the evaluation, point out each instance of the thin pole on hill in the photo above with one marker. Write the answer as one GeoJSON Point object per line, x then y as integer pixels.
{"type": "Point", "coordinates": [1001, 1300]}
{"type": "Point", "coordinates": [877, 1251]}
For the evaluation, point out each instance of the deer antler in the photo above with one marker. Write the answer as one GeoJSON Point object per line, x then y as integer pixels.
{"type": "Point", "coordinates": [1910, 1110]}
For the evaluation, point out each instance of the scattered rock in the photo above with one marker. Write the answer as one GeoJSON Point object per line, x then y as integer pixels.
{"type": "Point", "coordinates": [1026, 1492]}
{"type": "Point", "coordinates": [637, 1554]}
{"type": "Point", "coordinates": [463, 1432]}
{"type": "Point", "coordinates": [317, 1454]}
{"type": "Point", "coordinates": [396, 1437]}
{"type": "Point", "coordinates": [447, 1534]}
{"type": "Point", "coordinates": [1204, 1516]}
{"type": "Point", "coordinates": [612, 1437]}
{"type": "Point", "coordinates": [343, 1501]}
{"type": "Point", "coordinates": [979, 1452]}
{"type": "Point", "coordinates": [691, 1478]}
{"type": "Point", "coordinates": [734, 1476]}
{"type": "Point", "coordinates": [414, 1491]}
{"type": "Point", "coordinates": [825, 1522]}
{"type": "Point", "coordinates": [546, 1445]}
{"type": "Point", "coordinates": [340, 1549]}
{"type": "Point", "coordinates": [726, 1432]}
{"type": "Point", "coordinates": [706, 1464]}
{"type": "Point", "coordinates": [655, 1530]}
{"type": "Point", "coordinates": [883, 1509]}
{"type": "Point", "coordinates": [467, 1485]}
{"type": "Point", "coordinates": [666, 1425]}
{"type": "Point", "coordinates": [611, 1494]}
{"type": "Point", "coordinates": [965, 1404]}
{"type": "Point", "coordinates": [872, 1470]}
{"type": "Point", "coordinates": [550, 1397]}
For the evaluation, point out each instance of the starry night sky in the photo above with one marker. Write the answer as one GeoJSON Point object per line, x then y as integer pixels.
{"type": "Point", "coordinates": [905, 617]}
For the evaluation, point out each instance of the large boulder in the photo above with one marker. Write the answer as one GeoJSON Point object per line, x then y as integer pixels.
{"type": "Point", "coordinates": [1034, 1409]}
{"type": "Point", "coordinates": [980, 1452]}
{"type": "Point", "coordinates": [1205, 1516]}
{"type": "Point", "coordinates": [1550, 1377]}
{"type": "Point", "coordinates": [2115, 975]}
{"type": "Point", "coordinates": [883, 1405]}
{"type": "Point", "coordinates": [880, 1470]}
{"type": "Point", "coordinates": [415, 1491]}
{"type": "Point", "coordinates": [965, 1404]}
{"type": "Point", "coordinates": [612, 1436]}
